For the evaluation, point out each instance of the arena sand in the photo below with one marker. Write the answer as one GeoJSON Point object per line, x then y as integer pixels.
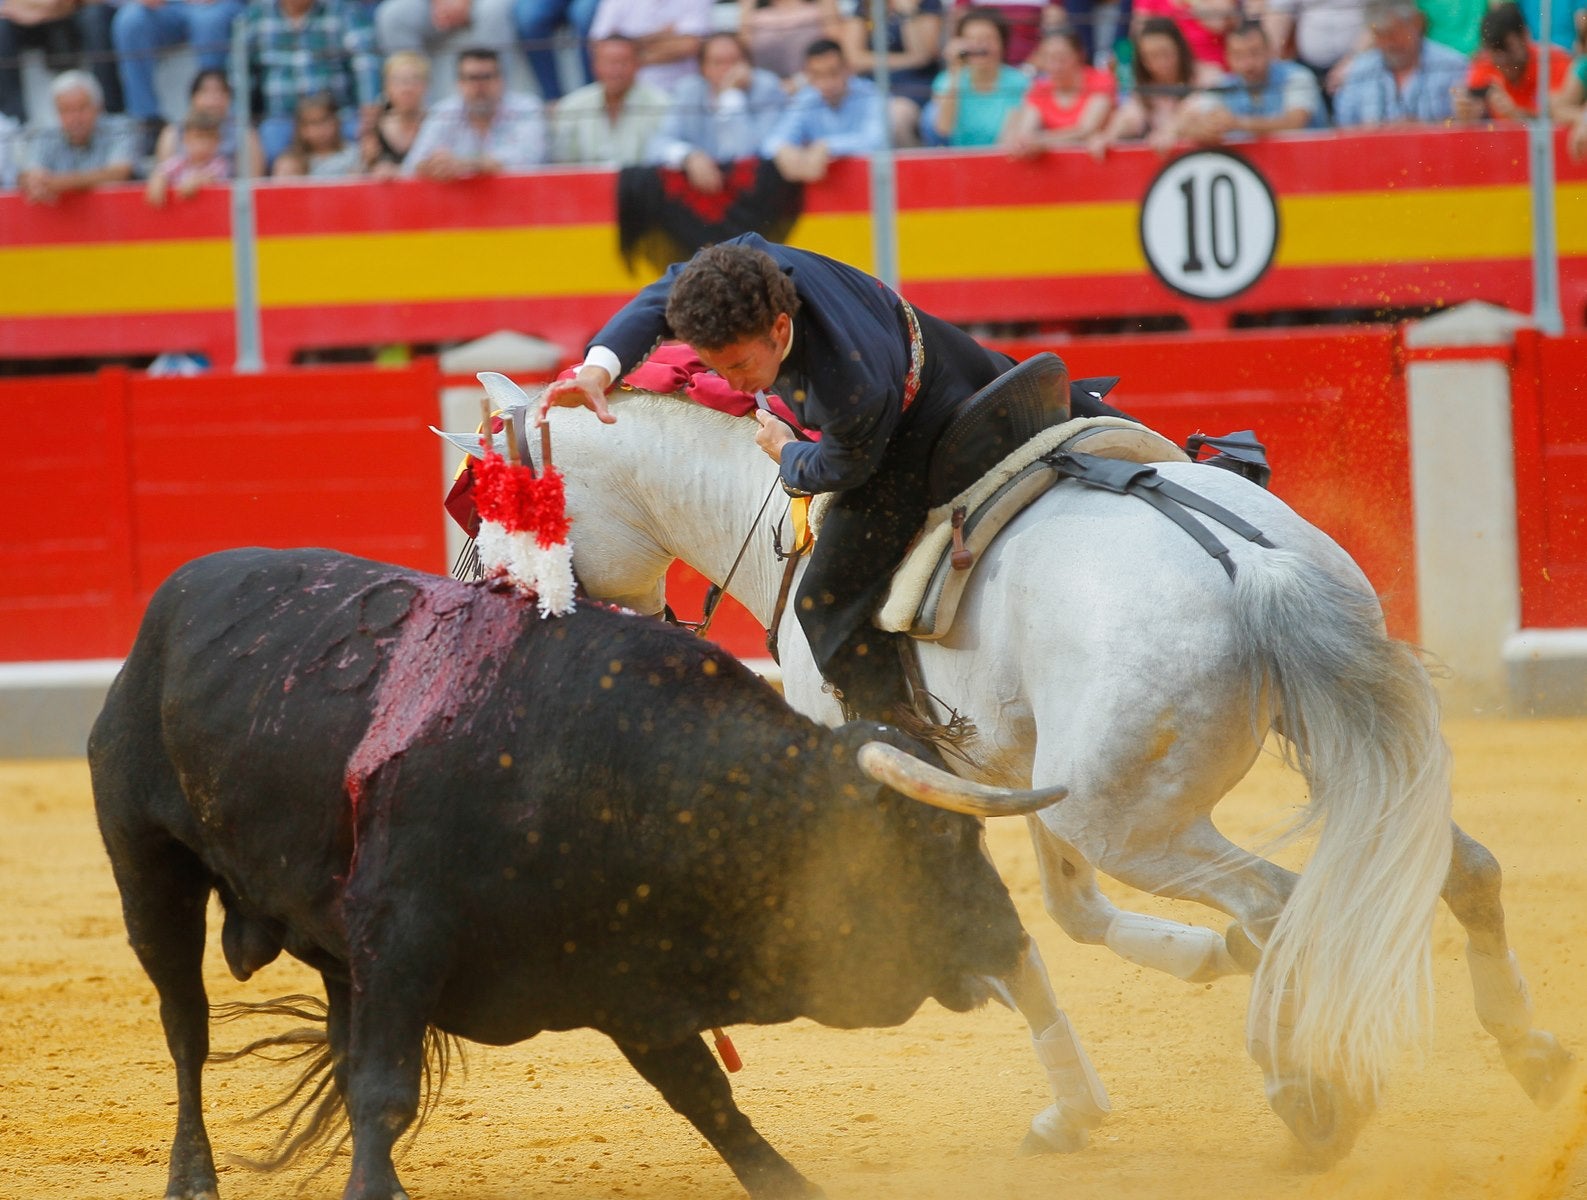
{"type": "Point", "coordinates": [933, 1110]}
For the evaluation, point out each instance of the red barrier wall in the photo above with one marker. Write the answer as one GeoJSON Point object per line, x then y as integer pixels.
{"type": "Point", "coordinates": [121, 478]}
{"type": "Point", "coordinates": [1330, 406]}
{"type": "Point", "coordinates": [1549, 383]}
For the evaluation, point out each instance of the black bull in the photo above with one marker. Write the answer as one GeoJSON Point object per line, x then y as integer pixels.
{"type": "Point", "coordinates": [471, 820]}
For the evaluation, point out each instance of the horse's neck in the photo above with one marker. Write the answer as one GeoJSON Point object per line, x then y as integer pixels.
{"type": "Point", "coordinates": [681, 481]}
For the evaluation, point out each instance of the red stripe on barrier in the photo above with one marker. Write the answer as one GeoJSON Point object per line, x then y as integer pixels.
{"type": "Point", "coordinates": [112, 214]}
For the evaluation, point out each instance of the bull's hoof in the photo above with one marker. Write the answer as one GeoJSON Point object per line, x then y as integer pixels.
{"type": "Point", "coordinates": [1541, 1065]}
{"type": "Point", "coordinates": [1055, 1131]}
{"type": "Point", "coordinates": [1323, 1120]}
{"type": "Point", "coordinates": [203, 1193]}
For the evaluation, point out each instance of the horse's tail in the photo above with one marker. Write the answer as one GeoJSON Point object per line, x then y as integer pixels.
{"type": "Point", "coordinates": [1345, 980]}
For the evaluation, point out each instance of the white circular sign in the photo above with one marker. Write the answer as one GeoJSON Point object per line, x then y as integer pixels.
{"type": "Point", "coordinates": [1209, 225]}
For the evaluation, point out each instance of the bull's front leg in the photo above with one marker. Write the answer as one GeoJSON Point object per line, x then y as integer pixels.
{"type": "Point", "coordinates": [386, 1059]}
{"type": "Point", "coordinates": [688, 1078]}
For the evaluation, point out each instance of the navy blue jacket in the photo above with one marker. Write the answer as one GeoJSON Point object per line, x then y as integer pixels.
{"type": "Point", "coordinates": [844, 373]}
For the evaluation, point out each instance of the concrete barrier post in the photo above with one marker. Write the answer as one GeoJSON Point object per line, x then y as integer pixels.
{"type": "Point", "coordinates": [1463, 493]}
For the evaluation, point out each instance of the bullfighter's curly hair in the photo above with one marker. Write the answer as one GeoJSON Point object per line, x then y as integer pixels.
{"type": "Point", "coordinates": [728, 293]}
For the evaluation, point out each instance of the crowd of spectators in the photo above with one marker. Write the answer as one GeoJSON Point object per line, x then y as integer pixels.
{"type": "Point", "coordinates": [451, 89]}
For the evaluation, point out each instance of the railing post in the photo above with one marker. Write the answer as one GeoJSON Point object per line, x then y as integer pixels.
{"type": "Point", "coordinates": [884, 184]}
{"type": "Point", "coordinates": [244, 236]}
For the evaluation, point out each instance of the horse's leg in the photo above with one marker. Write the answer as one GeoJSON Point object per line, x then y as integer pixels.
{"type": "Point", "coordinates": [1080, 1102]}
{"type": "Point", "coordinates": [1534, 1056]}
{"type": "Point", "coordinates": [1069, 889]}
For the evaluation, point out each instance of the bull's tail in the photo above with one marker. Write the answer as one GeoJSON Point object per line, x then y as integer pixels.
{"type": "Point", "coordinates": [1345, 980]}
{"type": "Point", "coordinates": [316, 1109]}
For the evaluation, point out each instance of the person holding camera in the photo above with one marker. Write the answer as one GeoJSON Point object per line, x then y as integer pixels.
{"type": "Point", "coordinates": [1503, 79]}
{"type": "Point", "coordinates": [977, 92]}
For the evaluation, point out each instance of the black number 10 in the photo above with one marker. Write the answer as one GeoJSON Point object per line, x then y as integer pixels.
{"type": "Point", "coordinates": [1222, 201]}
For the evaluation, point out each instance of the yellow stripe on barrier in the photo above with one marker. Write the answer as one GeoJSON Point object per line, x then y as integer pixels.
{"type": "Point", "coordinates": [442, 264]}
{"type": "Point", "coordinates": [1020, 242]}
{"type": "Point", "coordinates": [1426, 225]}
{"type": "Point", "coordinates": [116, 277]}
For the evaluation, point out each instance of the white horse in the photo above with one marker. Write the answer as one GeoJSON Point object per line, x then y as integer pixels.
{"type": "Point", "coordinates": [1099, 647]}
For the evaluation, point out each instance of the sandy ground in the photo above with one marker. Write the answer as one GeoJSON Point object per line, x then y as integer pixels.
{"type": "Point", "coordinates": [934, 1109]}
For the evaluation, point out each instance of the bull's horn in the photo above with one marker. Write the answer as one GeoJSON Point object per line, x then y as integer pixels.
{"type": "Point", "coordinates": [942, 789]}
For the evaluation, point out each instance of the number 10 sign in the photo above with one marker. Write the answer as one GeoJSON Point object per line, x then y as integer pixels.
{"type": "Point", "coordinates": [1209, 225]}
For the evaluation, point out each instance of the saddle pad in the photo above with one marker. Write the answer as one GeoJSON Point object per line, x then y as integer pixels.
{"type": "Point", "coordinates": [926, 590]}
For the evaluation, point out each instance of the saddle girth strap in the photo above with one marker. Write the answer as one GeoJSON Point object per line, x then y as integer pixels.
{"type": "Point", "coordinates": [1169, 498]}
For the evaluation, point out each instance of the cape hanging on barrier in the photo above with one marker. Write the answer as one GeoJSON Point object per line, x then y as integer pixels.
{"type": "Point", "coordinates": [662, 219]}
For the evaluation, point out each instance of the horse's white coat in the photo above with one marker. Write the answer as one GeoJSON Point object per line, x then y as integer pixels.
{"type": "Point", "coordinates": [1099, 647]}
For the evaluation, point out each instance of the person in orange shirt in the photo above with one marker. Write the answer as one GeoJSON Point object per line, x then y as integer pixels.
{"type": "Point", "coordinates": [1503, 79]}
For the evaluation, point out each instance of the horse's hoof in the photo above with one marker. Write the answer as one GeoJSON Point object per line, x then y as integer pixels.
{"type": "Point", "coordinates": [1055, 1131]}
{"type": "Point", "coordinates": [1323, 1121]}
{"type": "Point", "coordinates": [1541, 1065]}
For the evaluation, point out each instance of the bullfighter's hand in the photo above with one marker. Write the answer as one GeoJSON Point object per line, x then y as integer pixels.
{"type": "Point", "coordinates": [772, 435]}
{"type": "Point", "coordinates": [587, 389]}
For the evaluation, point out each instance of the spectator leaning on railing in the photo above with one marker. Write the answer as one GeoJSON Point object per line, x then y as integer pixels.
{"type": "Point", "coordinates": [977, 92]}
{"type": "Point", "coordinates": [1068, 103]}
{"type": "Point", "coordinates": [318, 148]}
{"type": "Point", "coordinates": [833, 116]}
{"type": "Point", "coordinates": [1405, 77]}
{"type": "Point", "coordinates": [405, 89]}
{"type": "Point", "coordinates": [1260, 95]}
{"type": "Point", "coordinates": [197, 162]}
{"type": "Point", "coordinates": [299, 48]}
{"type": "Point", "coordinates": [609, 122]}
{"type": "Point", "coordinates": [88, 148]}
{"type": "Point", "coordinates": [718, 116]}
{"type": "Point", "coordinates": [482, 129]}
{"type": "Point", "coordinates": [1170, 89]}
{"type": "Point", "coordinates": [1503, 78]}
{"type": "Point", "coordinates": [210, 95]}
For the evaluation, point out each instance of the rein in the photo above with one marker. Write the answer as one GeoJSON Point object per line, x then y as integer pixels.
{"type": "Point", "coordinates": [714, 594]}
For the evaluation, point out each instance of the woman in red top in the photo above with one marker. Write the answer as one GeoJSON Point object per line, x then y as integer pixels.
{"type": "Point", "coordinates": [1069, 101]}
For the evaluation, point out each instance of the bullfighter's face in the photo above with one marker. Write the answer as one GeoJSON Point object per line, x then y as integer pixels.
{"type": "Point", "coordinates": [751, 363]}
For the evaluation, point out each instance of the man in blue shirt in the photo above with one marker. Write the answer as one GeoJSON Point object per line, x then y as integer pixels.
{"type": "Point", "coordinates": [1405, 77]}
{"type": "Point", "coordinates": [834, 116]}
{"type": "Point", "coordinates": [1261, 95]}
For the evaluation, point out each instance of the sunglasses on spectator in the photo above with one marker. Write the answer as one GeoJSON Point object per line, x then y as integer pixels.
{"type": "Point", "coordinates": [479, 76]}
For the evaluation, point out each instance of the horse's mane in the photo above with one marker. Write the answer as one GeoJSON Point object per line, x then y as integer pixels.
{"type": "Point", "coordinates": [670, 406]}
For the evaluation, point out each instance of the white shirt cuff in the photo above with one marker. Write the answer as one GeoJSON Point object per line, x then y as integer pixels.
{"type": "Point", "coordinates": [600, 356]}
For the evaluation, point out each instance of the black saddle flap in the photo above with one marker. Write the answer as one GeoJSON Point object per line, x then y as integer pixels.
{"type": "Point", "coordinates": [998, 419]}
